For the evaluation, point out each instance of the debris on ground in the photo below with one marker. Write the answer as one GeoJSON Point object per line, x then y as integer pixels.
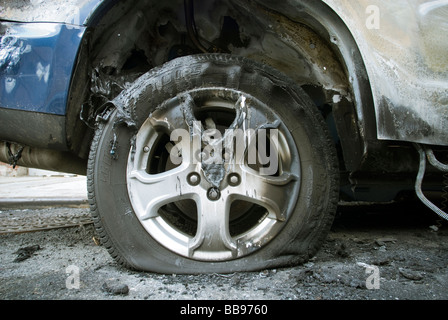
{"type": "Point", "coordinates": [25, 253]}
{"type": "Point", "coordinates": [411, 274]}
{"type": "Point", "coordinates": [113, 288]}
{"type": "Point", "coordinates": [372, 253]}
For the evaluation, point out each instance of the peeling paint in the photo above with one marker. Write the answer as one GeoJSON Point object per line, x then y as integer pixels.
{"type": "Point", "coordinates": [36, 64]}
{"type": "Point", "coordinates": [10, 84]}
{"type": "Point", "coordinates": [11, 50]}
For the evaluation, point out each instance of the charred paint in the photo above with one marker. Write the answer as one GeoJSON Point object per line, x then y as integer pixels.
{"type": "Point", "coordinates": [406, 60]}
{"type": "Point", "coordinates": [404, 56]}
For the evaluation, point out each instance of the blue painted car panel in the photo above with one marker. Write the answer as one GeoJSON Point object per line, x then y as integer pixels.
{"type": "Point", "coordinates": [36, 65]}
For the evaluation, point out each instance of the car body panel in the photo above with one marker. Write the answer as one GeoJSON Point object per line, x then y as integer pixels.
{"type": "Point", "coordinates": [405, 53]}
{"type": "Point", "coordinates": [403, 44]}
{"type": "Point", "coordinates": [36, 64]}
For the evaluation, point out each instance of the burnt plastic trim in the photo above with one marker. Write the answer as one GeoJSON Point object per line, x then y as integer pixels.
{"type": "Point", "coordinates": [40, 130]}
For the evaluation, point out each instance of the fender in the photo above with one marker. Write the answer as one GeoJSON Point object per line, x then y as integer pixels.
{"type": "Point", "coordinates": [355, 119]}
{"type": "Point", "coordinates": [404, 47]}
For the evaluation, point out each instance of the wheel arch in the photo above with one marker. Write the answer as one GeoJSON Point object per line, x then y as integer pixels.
{"type": "Point", "coordinates": [353, 114]}
{"type": "Point", "coordinates": [355, 119]}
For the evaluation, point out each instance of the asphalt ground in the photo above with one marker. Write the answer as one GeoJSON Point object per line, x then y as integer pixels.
{"type": "Point", "coordinates": [376, 252]}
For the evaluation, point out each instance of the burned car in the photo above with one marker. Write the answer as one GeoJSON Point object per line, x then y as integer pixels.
{"type": "Point", "coordinates": [220, 136]}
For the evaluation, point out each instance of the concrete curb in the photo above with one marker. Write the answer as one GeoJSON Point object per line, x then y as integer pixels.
{"type": "Point", "coordinates": [37, 192]}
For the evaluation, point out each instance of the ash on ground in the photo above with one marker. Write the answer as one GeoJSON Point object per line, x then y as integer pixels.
{"type": "Point", "coordinates": [382, 252]}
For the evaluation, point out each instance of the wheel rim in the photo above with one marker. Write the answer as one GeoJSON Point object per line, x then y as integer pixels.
{"type": "Point", "coordinates": [202, 193]}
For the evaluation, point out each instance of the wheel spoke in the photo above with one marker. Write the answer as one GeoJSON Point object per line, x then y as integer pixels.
{"type": "Point", "coordinates": [270, 192]}
{"type": "Point", "coordinates": [213, 235]}
{"type": "Point", "coordinates": [153, 191]}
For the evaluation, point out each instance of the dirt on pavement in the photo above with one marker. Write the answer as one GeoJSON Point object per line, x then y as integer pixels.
{"type": "Point", "coordinates": [379, 252]}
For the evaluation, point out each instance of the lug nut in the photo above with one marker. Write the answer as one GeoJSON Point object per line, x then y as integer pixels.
{"type": "Point", "coordinates": [213, 194]}
{"type": "Point", "coordinates": [234, 179]}
{"type": "Point", "coordinates": [194, 179]}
